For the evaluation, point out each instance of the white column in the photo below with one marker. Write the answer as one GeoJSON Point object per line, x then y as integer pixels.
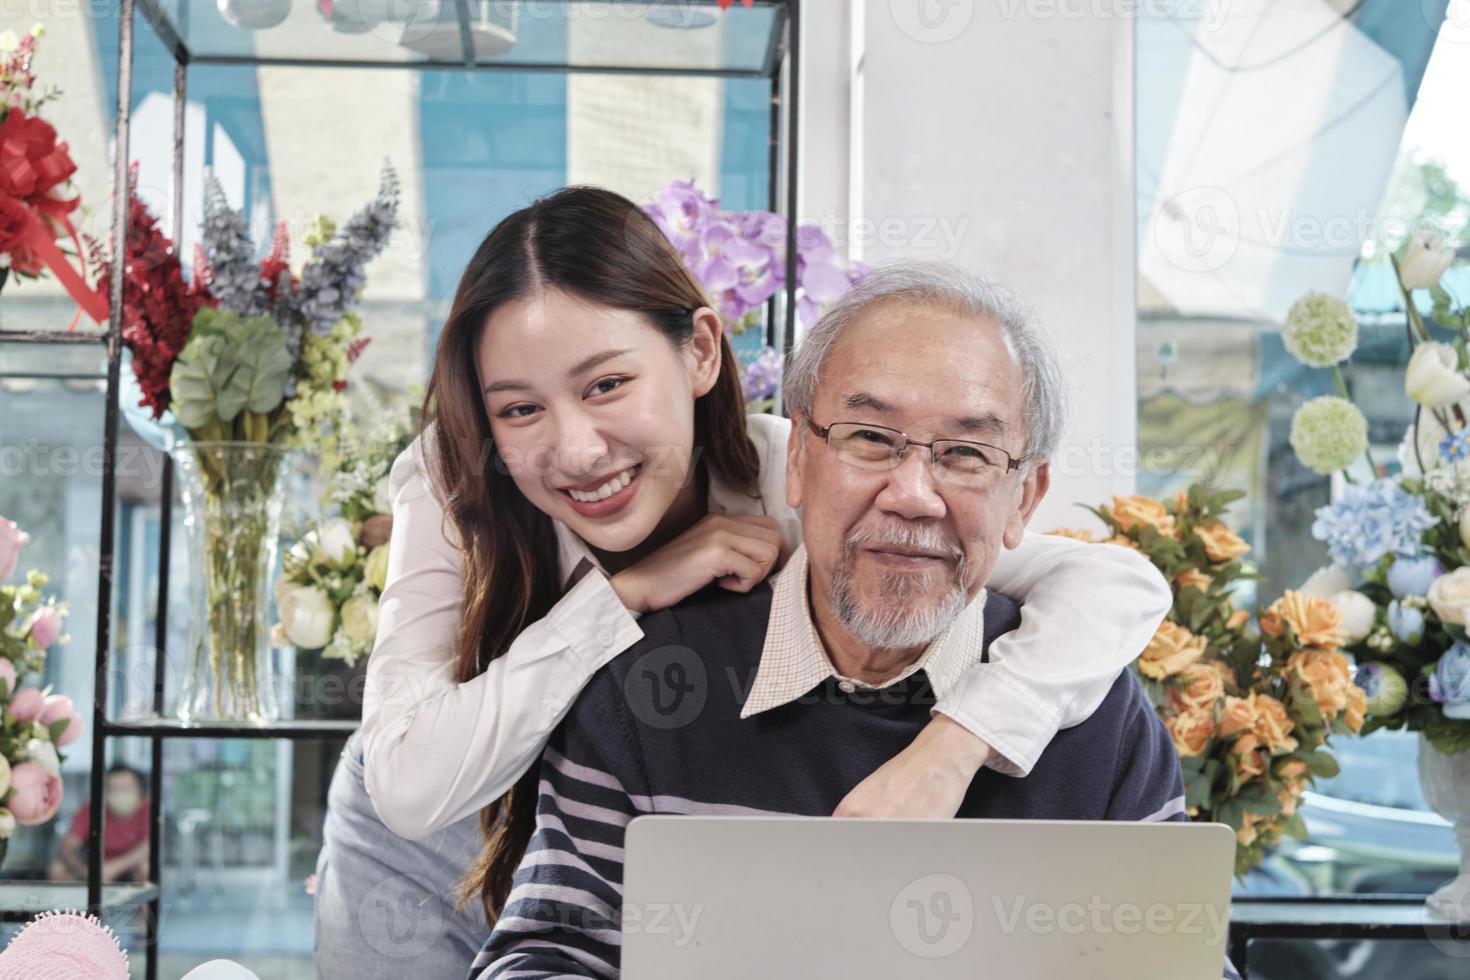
{"type": "Point", "coordinates": [1000, 136]}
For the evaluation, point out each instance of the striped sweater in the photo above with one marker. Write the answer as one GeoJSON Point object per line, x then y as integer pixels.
{"type": "Point", "coordinates": [658, 730]}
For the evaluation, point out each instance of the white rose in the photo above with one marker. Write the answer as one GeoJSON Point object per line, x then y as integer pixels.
{"type": "Point", "coordinates": [4, 777]}
{"type": "Point", "coordinates": [1465, 527]}
{"type": "Point", "coordinates": [1326, 581]}
{"type": "Point", "coordinates": [307, 617]}
{"type": "Point", "coordinates": [1433, 378]}
{"type": "Point", "coordinates": [1449, 596]}
{"type": "Point", "coordinates": [1425, 261]}
{"type": "Point", "coordinates": [1357, 611]}
{"type": "Point", "coordinates": [375, 568]}
{"type": "Point", "coordinates": [337, 542]}
{"type": "Point", "coordinates": [7, 823]}
{"type": "Point", "coordinates": [360, 619]}
{"type": "Point", "coordinates": [43, 753]}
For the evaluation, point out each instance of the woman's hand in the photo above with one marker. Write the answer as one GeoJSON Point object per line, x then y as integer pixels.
{"type": "Point", "coordinates": [737, 552]}
{"type": "Point", "coordinates": [928, 779]}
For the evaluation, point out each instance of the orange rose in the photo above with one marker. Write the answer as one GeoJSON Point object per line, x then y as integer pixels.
{"type": "Point", "coordinates": [1249, 757]}
{"type": "Point", "coordinates": [1075, 533]}
{"type": "Point", "coordinates": [1246, 835]}
{"type": "Point", "coordinates": [1221, 543]}
{"type": "Point", "coordinates": [1288, 797]}
{"type": "Point", "coordinates": [1357, 706]}
{"type": "Point", "coordinates": [1239, 716]}
{"type": "Point", "coordinates": [1181, 501]}
{"type": "Point", "coordinates": [1171, 650]}
{"type": "Point", "coordinates": [1327, 676]}
{"type": "Point", "coordinates": [1191, 731]}
{"type": "Point", "coordinates": [1196, 688]}
{"type": "Point", "coordinates": [1237, 619]}
{"type": "Point", "coordinates": [1316, 621]}
{"type": "Point", "coordinates": [1272, 726]}
{"type": "Point", "coordinates": [1292, 769]}
{"type": "Point", "coordinates": [1194, 577]}
{"type": "Point", "coordinates": [1134, 512]}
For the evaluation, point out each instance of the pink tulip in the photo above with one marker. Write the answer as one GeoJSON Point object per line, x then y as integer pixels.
{"type": "Point", "coordinates": [12, 539]}
{"type": "Point", "coordinates": [58, 707]}
{"type": "Point", "coordinates": [7, 674]}
{"type": "Point", "coordinates": [27, 704]}
{"type": "Point", "coordinates": [45, 626]}
{"type": "Point", "coordinates": [35, 794]}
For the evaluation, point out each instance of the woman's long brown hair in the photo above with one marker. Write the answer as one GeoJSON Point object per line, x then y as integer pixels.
{"type": "Point", "coordinates": [598, 246]}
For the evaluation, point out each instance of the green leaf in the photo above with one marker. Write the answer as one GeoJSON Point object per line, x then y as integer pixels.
{"type": "Point", "coordinates": [260, 363]}
{"type": "Point", "coordinates": [55, 729]}
{"type": "Point", "coordinates": [1322, 764]}
{"type": "Point", "coordinates": [198, 375]}
{"type": "Point", "coordinates": [1295, 826]}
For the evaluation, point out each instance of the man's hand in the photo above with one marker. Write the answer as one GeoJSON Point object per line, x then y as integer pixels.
{"type": "Point", "coordinates": [928, 779]}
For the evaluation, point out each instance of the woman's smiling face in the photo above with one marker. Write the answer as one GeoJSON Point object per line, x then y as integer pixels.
{"type": "Point", "coordinates": [592, 411]}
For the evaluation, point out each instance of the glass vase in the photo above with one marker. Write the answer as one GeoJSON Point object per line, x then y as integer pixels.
{"type": "Point", "coordinates": [233, 497]}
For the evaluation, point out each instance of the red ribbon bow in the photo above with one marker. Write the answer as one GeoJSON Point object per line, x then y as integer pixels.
{"type": "Point", "coordinates": [32, 165]}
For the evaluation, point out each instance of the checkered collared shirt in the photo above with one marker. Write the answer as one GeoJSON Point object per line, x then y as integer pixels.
{"type": "Point", "coordinates": [793, 660]}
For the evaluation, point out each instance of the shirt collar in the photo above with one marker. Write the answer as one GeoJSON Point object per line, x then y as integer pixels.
{"type": "Point", "coordinates": [793, 660]}
{"type": "Point", "coordinates": [577, 559]}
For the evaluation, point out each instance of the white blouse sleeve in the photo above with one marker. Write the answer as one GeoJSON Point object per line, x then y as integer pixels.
{"type": "Point", "coordinates": [1087, 610]}
{"type": "Point", "coordinates": [436, 751]}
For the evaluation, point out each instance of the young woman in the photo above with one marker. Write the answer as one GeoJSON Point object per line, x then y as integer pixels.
{"type": "Point", "coordinates": [586, 457]}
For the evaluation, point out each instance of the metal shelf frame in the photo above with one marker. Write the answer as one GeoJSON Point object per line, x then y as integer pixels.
{"type": "Point", "coordinates": [783, 70]}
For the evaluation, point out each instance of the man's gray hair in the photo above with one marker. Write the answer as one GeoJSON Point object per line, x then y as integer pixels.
{"type": "Point", "coordinates": [966, 293]}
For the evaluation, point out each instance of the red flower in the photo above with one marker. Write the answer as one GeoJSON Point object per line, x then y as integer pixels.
{"type": "Point", "coordinates": [158, 304]}
{"type": "Point", "coordinates": [15, 220]}
{"type": "Point", "coordinates": [31, 161]}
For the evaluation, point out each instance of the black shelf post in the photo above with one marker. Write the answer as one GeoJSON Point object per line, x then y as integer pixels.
{"type": "Point", "coordinates": [109, 455]}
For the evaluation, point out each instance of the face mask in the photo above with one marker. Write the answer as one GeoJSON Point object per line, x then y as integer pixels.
{"type": "Point", "coordinates": [125, 803]}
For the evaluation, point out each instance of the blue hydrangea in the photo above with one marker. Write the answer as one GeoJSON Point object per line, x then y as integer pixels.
{"type": "Point", "coordinates": [1372, 520]}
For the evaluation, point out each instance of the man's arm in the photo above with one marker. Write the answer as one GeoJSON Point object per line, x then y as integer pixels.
{"type": "Point", "coordinates": [1147, 784]}
{"type": "Point", "coordinates": [564, 914]}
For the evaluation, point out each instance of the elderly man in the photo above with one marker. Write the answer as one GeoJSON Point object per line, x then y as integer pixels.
{"type": "Point", "coordinates": [923, 406]}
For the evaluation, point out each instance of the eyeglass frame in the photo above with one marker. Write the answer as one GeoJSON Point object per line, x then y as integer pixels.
{"type": "Point", "coordinates": [1012, 462]}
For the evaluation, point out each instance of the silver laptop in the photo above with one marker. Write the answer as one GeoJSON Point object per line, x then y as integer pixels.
{"type": "Point", "coordinates": [771, 898]}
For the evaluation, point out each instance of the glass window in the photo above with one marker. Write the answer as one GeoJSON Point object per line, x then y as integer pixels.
{"type": "Point", "coordinates": [1284, 148]}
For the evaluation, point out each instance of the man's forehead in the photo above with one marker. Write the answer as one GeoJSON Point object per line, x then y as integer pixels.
{"type": "Point", "coordinates": [973, 416]}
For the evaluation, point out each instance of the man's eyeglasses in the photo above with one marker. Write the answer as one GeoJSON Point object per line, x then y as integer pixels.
{"type": "Point", "coordinates": [955, 461]}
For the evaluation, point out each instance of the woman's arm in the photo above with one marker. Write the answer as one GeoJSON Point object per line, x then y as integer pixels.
{"type": "Point", "coordinates": [436, 751]}
{"type": "Point", "coordinates": [1087, 610]}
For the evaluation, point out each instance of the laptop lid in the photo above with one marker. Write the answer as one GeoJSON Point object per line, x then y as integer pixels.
{"type": "Point", "coordinates": [770, 898]}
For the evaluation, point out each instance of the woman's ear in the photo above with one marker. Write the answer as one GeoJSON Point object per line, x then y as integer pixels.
{"type": "Point", "coordinates": [704, 350]}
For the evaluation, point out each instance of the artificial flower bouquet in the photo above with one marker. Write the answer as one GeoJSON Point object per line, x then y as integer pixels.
{"type": "Point", "coordinates": [35, 173]}
{"type": "Point", "coordinates": [1400, 545]}
{"type": "Point", "coordinates": [250, 358]}
{"type": "Point", "coordinates": [739, 257]}
{"type": "Point", "coordinates": [1250, 712]}
{"type": "Point", "coordinates": [248, 351]}
{"type": "Point", "coordinates": [332, 578]}
{"type": "Point", "coordinates": [34, 723]}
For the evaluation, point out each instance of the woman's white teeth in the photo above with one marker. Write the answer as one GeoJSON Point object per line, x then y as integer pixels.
{"type": "Point", "coordinates": [607, 489]}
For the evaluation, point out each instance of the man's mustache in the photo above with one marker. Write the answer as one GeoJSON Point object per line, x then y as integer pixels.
{"type": "Point", "coordinates": [916, 537]}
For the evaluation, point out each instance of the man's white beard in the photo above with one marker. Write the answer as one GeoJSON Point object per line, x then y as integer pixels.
{"type": "Point", "coordinates": [890, 620]}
